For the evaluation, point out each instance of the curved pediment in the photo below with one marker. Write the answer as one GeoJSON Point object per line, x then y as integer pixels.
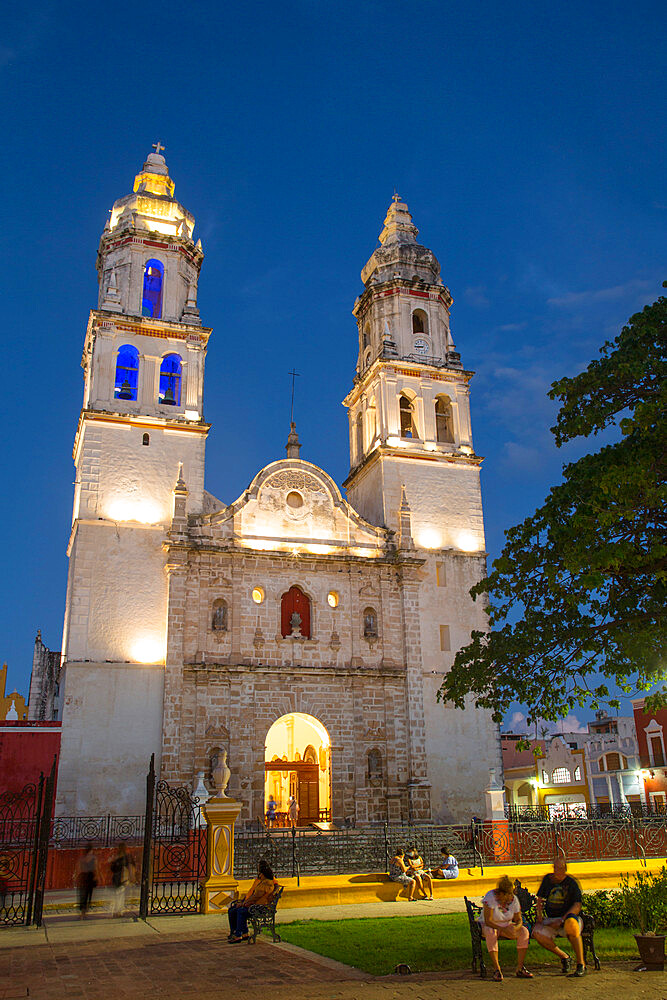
{"type": "Point", "coordinates": [293, 504]}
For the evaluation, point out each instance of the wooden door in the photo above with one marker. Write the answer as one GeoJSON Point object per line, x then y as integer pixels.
{"type": "Point", "coordinates": [295, 601]}
{"type": "Point", "coordinates": [309, 794]}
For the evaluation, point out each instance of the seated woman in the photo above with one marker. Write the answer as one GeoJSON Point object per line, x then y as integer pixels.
{"type": "Point", "coordinates": [259, 893]}
{"type": "Point", "coordinates": [398, 872]}
{"type": "Point", "coordinates": [449, 866]}
{"type": "Point", "coordinates": [501, 917]}
{"type": "Point", "coordinates": [421, 875]}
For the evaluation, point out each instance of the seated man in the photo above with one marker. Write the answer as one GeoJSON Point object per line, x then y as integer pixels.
{"type": "Point", "coordinates": [559, 914]}
{"type": "Point", "coordinates": [449, 866]}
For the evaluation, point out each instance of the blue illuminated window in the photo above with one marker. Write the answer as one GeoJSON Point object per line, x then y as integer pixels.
{"type": "Point", "coordinates": [151, 300]}
{"type": "Point", "coordinates": [170, 380]}
{"type": "Point", "coordinates": [127, 372]}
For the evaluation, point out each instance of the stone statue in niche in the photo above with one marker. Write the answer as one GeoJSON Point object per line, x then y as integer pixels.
{"type": "Point", "coordinates": [219, 623]}
{"type": "Point", "coordinates": [221, 776]}
{"type": "Point", "coordinates": [295, 623]}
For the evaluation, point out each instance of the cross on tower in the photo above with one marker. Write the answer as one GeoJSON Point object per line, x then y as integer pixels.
{"type": "Point", "coordinates": [295, 375]}
{"type": "Point", "coordinates": [396, 196]}
{"type": "Point", "coordinates": [157, 147]}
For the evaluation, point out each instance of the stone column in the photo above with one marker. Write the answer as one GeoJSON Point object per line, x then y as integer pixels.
{"type": "Point", "coordinates": [419, 788]}
{"type": "Point", "coordinates": [220, 887]}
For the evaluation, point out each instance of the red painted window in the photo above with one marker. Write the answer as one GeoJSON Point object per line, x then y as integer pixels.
{"type": "Point", "coordinates": [295, 602]}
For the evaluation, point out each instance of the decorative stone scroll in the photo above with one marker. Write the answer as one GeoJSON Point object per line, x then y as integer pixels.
{"type": "Point", "coordinates": [274, 491]}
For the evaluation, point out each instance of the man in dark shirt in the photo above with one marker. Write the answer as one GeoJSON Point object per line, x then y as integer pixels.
{"type": "Point", "coordinates": [559, 914]}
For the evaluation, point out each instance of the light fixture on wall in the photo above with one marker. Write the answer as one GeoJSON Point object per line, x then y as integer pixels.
{"type": "Point", "coordinates": [147, 650]}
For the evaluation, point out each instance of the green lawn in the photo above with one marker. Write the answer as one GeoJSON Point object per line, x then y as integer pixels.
{"type": "Point", "coordinates": [426, 944]}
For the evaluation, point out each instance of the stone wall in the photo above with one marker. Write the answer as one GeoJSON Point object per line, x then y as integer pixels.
{"type": "Point", "coordinates": [111, 724]}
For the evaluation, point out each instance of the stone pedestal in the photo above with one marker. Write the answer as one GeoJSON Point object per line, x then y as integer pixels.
{"type": "Point", "coordinates": [220, 886]}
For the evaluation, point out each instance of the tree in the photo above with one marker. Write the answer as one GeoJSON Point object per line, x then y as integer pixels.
{"type": "Point", "coordinates": [576, 600]}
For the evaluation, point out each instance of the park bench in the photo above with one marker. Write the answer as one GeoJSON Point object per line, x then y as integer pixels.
{"type": "Point", "coordinates": [528, 902]}
{"type": "Point", "coordinates": [264, 915]}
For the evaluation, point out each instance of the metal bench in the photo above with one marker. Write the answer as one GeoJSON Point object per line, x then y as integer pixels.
{"type": "Point", "coordinates": [264, 915]}
{"type": "Point", "coordinates": [529, 916]}
{"type": "Point", "coordinates": [528, 904]}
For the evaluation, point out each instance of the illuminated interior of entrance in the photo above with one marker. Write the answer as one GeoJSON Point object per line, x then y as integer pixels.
{"type": "Point", "coordinates": [298, 762]}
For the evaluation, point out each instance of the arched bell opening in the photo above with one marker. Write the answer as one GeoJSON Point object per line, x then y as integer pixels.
{"type": "Point", "coordinates": [297, 763]}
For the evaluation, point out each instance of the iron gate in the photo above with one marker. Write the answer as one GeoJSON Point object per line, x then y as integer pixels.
{"type": "Point", "coordinates": [25, 819]}
{"type": "Point", "coordinates": [175, 843]}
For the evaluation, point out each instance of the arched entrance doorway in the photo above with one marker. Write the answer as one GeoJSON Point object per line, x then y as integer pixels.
{"type": "Point", "coordinates": [297, 761]}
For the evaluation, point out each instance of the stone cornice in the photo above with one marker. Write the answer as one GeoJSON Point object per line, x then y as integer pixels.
{"type": "Point", "coordinates": [412, 369]}
{"type": "Point", "coordinates": [300, 670]}
{"type": "Point", "coordinates": [143, 326]}
{"type": "Point", "coordinates": [138, 420]}
{"type": "Point", "coordinates": [400, 286]}
{"type": "Point", "coordinates": [229, 547]}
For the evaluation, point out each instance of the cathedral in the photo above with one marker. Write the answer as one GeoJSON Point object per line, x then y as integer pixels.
{"type": "Point", "coordinates": [304, 632]}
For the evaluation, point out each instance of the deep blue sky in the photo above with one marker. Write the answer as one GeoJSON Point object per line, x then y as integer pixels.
{"type": "Point", "coordinates": [527, 139]}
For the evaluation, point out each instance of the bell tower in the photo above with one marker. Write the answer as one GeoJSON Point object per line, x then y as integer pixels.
{"type": "Point", "coordinates": [409, 409]}
{"type": "Point", "coordinates": [141, 421]}
{"type": "Point", "coordinates": [413, 469]}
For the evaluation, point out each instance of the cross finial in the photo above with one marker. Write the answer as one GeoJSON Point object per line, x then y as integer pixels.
{"type": "Point", "coordinates": [157, 147]}
{"type": "Point", "coordinates": [396, 196]}
{"type": "Point", "coordinates": [295, 375]}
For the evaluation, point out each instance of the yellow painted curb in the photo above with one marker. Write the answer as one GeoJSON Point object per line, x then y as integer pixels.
{"type": "Point", "coordinates": [335, 890]}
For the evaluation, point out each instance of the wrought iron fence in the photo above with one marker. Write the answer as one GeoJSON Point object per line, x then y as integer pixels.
{"type": "Point", "coordinates": [101, 831]}
{"type": "Point", "coordinates": [581, 810]}
{"type": "Point", "coordinates": [174, 852]}
{"type": "Point", "coordinates": [476, 845]}
{"type": "Point", "coordinates": [24, 847]}
{"type": "Point", "coordinates": [346, 852]}
{"type": "Point", "coordinates": [611, 838]}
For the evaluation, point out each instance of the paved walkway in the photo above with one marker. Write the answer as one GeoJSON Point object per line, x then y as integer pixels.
{"type": "Point", "coordinates": [183, 958]}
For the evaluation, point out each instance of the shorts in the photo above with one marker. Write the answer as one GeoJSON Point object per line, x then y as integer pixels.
{"type": "Point", "coordinates": [552, 928]}
{"type": "Point", "coordinates": [403, 879]}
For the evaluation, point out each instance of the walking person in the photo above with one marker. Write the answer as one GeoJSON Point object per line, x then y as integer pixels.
{"type": "Point", "coordinates": [122, 874]}
{"type": "Point", "coordinates": [293, 811]}
{"type": "Point", "coordinates": [87, 878]}
{"type": "Point", "coordinates": [271, 807]}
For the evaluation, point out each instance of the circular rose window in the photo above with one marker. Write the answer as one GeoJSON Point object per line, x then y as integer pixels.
{"type": "Point", "coordinates": [294, 500]}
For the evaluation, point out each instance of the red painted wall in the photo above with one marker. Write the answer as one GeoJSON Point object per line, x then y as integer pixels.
{"type": "Point", "coordinates": [26, 749]}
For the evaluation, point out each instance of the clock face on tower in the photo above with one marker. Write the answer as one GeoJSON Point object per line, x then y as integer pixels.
{"type": "Point", "coordinates": [421, 347]}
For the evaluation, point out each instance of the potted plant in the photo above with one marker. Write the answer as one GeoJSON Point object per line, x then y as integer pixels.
{"type": "Point", "coordinates": [646, 900]}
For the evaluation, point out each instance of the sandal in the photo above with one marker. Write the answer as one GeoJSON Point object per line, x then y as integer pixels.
{"type": "Point", "coordinates": [497, 976]}
{"type": "Point", "coordinates": [523, 973]}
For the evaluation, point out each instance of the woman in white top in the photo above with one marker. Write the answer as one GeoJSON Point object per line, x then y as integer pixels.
{"type": "Point", "coordinates": [502, 918]}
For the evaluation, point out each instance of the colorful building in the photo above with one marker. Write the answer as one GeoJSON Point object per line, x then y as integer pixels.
{"type": "Point", "coordinates": [12, 705]}
{"type": "Point", "coordinates": [651, 728]}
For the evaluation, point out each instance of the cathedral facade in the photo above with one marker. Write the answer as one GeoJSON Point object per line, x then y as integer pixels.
{"type": "Point", "coordinates": [304, 633]}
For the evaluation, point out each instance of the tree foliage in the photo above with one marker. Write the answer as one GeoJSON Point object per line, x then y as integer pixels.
{"type": "Point", "coordinates": [576, 600]}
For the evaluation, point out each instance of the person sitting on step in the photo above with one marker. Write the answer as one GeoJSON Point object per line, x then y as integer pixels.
{"type": "Point", "coordinates": [501, 918]}
{"type": "Point", "coordinates": [449, 866]}
{"type": "Point", "coordinates": [559, 915]}
{"type": "Point", "coordinates": [416, 868]}
{"type": "Point", "coordinates": [398, 872]}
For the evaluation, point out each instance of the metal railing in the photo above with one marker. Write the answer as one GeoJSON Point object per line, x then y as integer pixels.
{"type": "Point", "coordinates": [573, 811]}
{"type": "Point", "coordinates": [476, 845]}
{"type": "Point", "coordinates": [101, 831]}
